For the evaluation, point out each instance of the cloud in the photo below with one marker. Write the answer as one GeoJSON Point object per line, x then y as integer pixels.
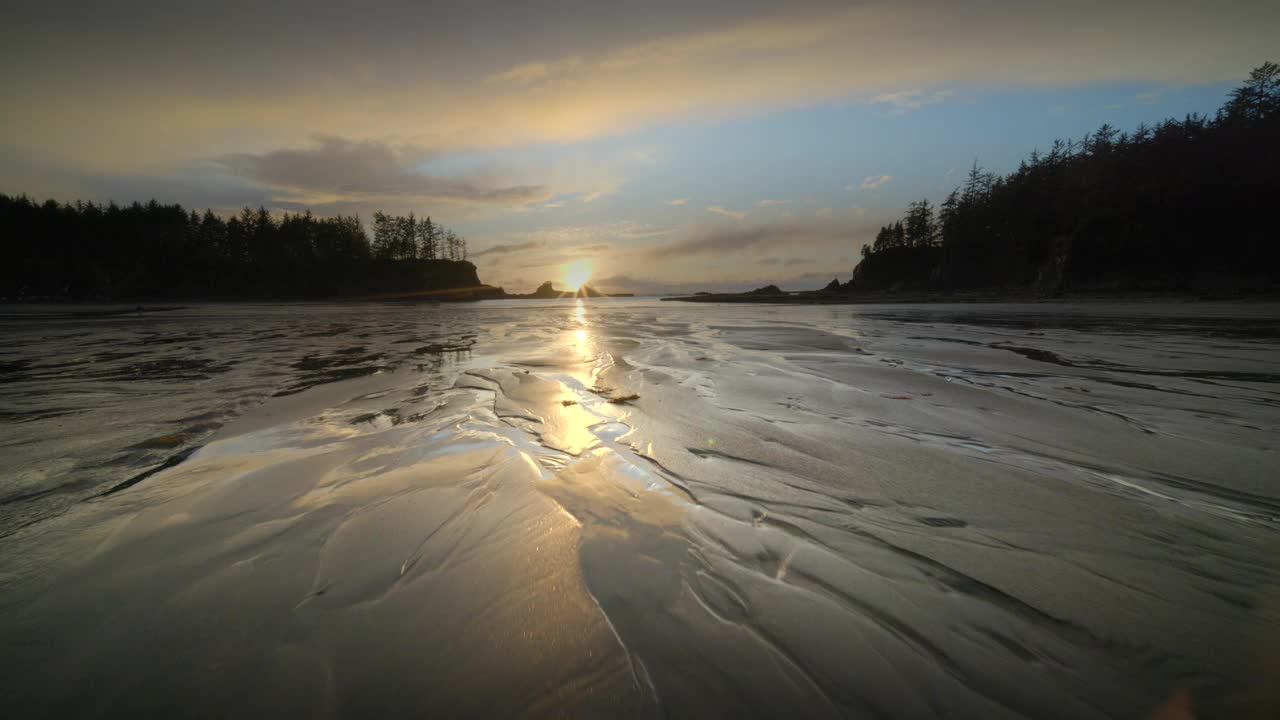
{"type": "Point", "coordinates": [1151, 97]}
{"type": "Point", "coordinates": [411, 71]}
{"type": "Point", "coordinates": [785, 262]}
{"type": "Point", "coordinates": [678, 201]}
{"type": "Point", "coordinates": [337, 169]}
{"type": "Point", "coordinates": [632, 231]}
{"type": "Point", "coordinates": [726, 212]}
{"type": "Point", "coordinates": [771, 203]}
{"type": "Point", "coordinates": [636, 284]}
{"type": "Point", "coordinates": [560, 242]}
{"type": "Point", "coordinates": [905, 101]}
{"type": "Point", "coordinates": [549, 261]}
{"type": "Point", "coordinates": [645, 285]}
{"type": "Point", "coordinates": [560, 256]}
{"type": "Point", "coordinates": [508, 249]}
{"type": "Point", "coordinates": [760, 238]}
{"type": "Point", "coordinates": [825, 212]}
{"type": "Point", "coordinates": [522, 73]}
{"type": "Point", "coordinates": [1146, 97]}
{"type": "Point", "coordinates": [872, 182]}
{"type": "Point", "coordinates": [535, 71]}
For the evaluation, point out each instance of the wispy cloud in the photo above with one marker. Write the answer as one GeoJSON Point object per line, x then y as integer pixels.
{"type": "Point", "coordinates": [905, 101]}
{"type": "Point", "coordinates": [760, 238]}
{"type": "Point", "coordinates": [1151, 97]}
{"type": "Point", "coordinates": [335, 169]}
{"type": "Point", "coordinates": [771, 203]}
{"type": "Point", "coordinates": [508, 249]}
{"type": "Point", "coordinates": [562, 241]}
{"type": "Point", "coordinates": [522, 73]}
{"type": "Point", "coordinates": [605, 76]}
{"type": "Point", "coordinates": [1146, 97]}
{"type": "Point", "coordinates": [871, 182]}
{"type": "Point", "coordinates": [825, 212]}
{"type": "Point", "coordinates": [631, 231]}
{"type": "Point", "coordinates": [718, 210]}
{"type": "Point", "coordinates": [678, 201]}
{"type": "Point", "coordinates": [535, 71]}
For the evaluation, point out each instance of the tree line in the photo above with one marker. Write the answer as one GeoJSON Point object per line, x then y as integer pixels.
{"type": "Point", "coordinates": [88, 251]}
{"type": "Point", "coordinates": [1183, 204]}
{"type": "Point", "coordinates": [401, 238]}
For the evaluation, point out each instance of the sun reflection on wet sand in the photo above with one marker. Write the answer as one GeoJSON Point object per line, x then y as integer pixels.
{"type": "Point", "coordinates": [607, 502]}
{"type": "Point", "coordinates": [586, 356]}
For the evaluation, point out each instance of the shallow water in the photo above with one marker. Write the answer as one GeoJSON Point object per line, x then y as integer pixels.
{"type": "Point", "coordinates": [860, 511]}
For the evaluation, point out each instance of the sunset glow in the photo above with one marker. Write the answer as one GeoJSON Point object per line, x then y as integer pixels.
{"type": "Point", "coordinates": [576, 274]}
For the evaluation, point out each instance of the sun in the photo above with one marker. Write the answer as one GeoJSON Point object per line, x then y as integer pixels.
{"type": "Point", "coordinates": [575, 274]}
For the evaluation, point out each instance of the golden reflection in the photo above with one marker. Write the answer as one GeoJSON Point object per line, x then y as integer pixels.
{"type": "Point", "coordinates": [581, 338]}
{"type": "Point", "coordinates": [580, 342]}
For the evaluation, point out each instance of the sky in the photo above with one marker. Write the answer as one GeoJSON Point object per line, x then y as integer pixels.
{"type": "Point", "coordinates": [666, 145]}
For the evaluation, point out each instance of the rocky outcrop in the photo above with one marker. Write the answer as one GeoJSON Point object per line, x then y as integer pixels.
{"type": "Point", "coordinates": [548, 291]}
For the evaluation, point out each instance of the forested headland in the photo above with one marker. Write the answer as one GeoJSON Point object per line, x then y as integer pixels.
{"type": "Point", "coordinates": [1184, 205]}
{"type": "Point", "coordinates": [87, 251]}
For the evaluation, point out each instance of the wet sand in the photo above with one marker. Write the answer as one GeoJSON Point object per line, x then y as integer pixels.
{"type": "Point", "coordinates": [979, 511]}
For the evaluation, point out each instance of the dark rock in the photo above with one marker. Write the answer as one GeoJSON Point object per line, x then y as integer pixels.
{"type": "Point", "coordinates": [548, 291]}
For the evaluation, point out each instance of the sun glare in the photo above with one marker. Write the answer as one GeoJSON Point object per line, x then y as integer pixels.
{"type": "Point", "coordinates": [575, 274]}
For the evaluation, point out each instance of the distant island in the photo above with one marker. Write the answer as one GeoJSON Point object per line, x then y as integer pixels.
{"type": "Point", "coordinates": [1184, 207]}
{"type": "Point", "coordinates": [548, 291]}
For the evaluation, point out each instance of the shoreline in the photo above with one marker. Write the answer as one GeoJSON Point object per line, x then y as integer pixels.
{"type": "Point", "coordinates": [819, 298]}
{"type": "Point", "coordinates": [801, 297]}
{"type": "Point", "coordinates": [463, 294]}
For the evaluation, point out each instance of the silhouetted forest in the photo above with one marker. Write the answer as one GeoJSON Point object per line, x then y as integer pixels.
{"type": "Point", "coordinates": [87, 251]}
{"type": "Point", "coordinates": [1183, 205]}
